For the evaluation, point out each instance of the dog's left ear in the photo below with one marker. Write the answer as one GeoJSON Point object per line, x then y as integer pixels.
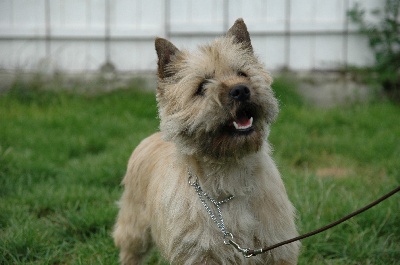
{"type": "Point", "coordinates": [239, 31]}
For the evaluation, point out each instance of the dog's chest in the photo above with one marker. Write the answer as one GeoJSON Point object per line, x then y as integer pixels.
{"type": "Point", "coordinates": [197, 219]}
{"type": "Point", "coordinates": [193, 233]}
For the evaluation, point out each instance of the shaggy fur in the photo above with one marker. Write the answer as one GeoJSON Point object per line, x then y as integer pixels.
{"type": "Point", "coordinates": [200, 96]}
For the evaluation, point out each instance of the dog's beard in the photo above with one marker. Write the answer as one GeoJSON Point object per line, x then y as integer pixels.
{"type": "Point", "coordinates": [241, 132]}
{"type": "Point", "coordinates": [233, 143]}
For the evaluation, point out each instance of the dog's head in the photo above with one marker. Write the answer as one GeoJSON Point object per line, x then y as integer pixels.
{"type": "Point", "coordinates": [216, 102]}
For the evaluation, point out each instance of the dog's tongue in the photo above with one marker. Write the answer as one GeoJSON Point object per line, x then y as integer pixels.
{"type": "Point", "coordinates": [243, 123]}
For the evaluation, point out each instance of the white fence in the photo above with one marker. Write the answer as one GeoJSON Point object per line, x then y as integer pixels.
{"type": "Point", "coordinates": [82, 35]}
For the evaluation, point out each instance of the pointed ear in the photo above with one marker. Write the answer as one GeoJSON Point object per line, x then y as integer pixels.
{"type": "Point", "coordinates": [239, 31]}
{"type": "Point", "coordinates": [165, 51]}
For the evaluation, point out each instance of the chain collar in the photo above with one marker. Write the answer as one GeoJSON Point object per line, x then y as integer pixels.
{"type": "Point", "coordinates": [218, 218]}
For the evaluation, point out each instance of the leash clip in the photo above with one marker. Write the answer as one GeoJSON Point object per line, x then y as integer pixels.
{"type": "Point", "coordinates": [247, 253]}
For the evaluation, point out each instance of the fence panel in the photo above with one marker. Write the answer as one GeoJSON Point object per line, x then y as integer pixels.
{"type": "Point", "coordinates": [83, 35]}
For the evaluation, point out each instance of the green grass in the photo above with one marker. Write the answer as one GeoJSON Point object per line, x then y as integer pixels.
{"type": "Point", "coordinates": [63, 154]}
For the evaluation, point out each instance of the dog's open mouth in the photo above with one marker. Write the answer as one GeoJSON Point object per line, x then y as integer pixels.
{"type": "Point", "coordinates": [242, 123]}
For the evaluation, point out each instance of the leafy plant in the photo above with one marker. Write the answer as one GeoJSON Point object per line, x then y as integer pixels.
{"type": "Point", "coordinates": [384, 39]}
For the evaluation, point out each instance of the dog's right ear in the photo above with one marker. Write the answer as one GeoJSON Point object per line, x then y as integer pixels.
{"type": "Point", "coordinates": [240, 33]}
{"type": "Point", "coordinates": [165, 52]}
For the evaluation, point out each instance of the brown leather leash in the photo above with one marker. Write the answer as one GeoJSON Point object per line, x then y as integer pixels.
{"type": "Point", "coordinates": [253, 252]}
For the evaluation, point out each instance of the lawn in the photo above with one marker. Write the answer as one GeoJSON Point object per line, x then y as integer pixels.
{"type": "Point", "coordinates": [63, 154]}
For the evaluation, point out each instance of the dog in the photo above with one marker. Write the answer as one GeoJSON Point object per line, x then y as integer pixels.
{"type": "Point", "coordinates": [207, 178]}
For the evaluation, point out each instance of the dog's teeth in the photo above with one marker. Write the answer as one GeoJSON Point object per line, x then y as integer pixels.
{"type": "Point", "coordinates": [243, 127]}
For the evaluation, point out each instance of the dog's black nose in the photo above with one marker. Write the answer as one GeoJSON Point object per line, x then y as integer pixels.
{"type": "Point", "coordinates": [240, 92]}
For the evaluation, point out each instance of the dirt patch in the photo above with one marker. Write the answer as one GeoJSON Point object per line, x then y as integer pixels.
{"type": "Point", "coordinates": [333, 172]}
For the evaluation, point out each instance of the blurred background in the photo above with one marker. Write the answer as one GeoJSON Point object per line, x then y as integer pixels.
{"type": "Point", "coordinates": [72, 109]}
{"type": "Point", "coordinates": [81, 36]}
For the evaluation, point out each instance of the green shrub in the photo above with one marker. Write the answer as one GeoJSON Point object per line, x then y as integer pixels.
{"type": "Point", "coordinates": [384, 39]}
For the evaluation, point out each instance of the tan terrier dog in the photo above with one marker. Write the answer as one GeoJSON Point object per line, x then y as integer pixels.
{"type": "Point", "coordinates": [208, 176]}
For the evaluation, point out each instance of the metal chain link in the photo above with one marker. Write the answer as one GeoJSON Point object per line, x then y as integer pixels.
{"type": "Point", "coordinates": [218, 220]}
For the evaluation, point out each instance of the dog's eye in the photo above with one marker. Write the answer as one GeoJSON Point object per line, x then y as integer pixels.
{"type": "Point", "coordinates": [201, 88]}
{"type": "Point", "coordinates": [242, 74]}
